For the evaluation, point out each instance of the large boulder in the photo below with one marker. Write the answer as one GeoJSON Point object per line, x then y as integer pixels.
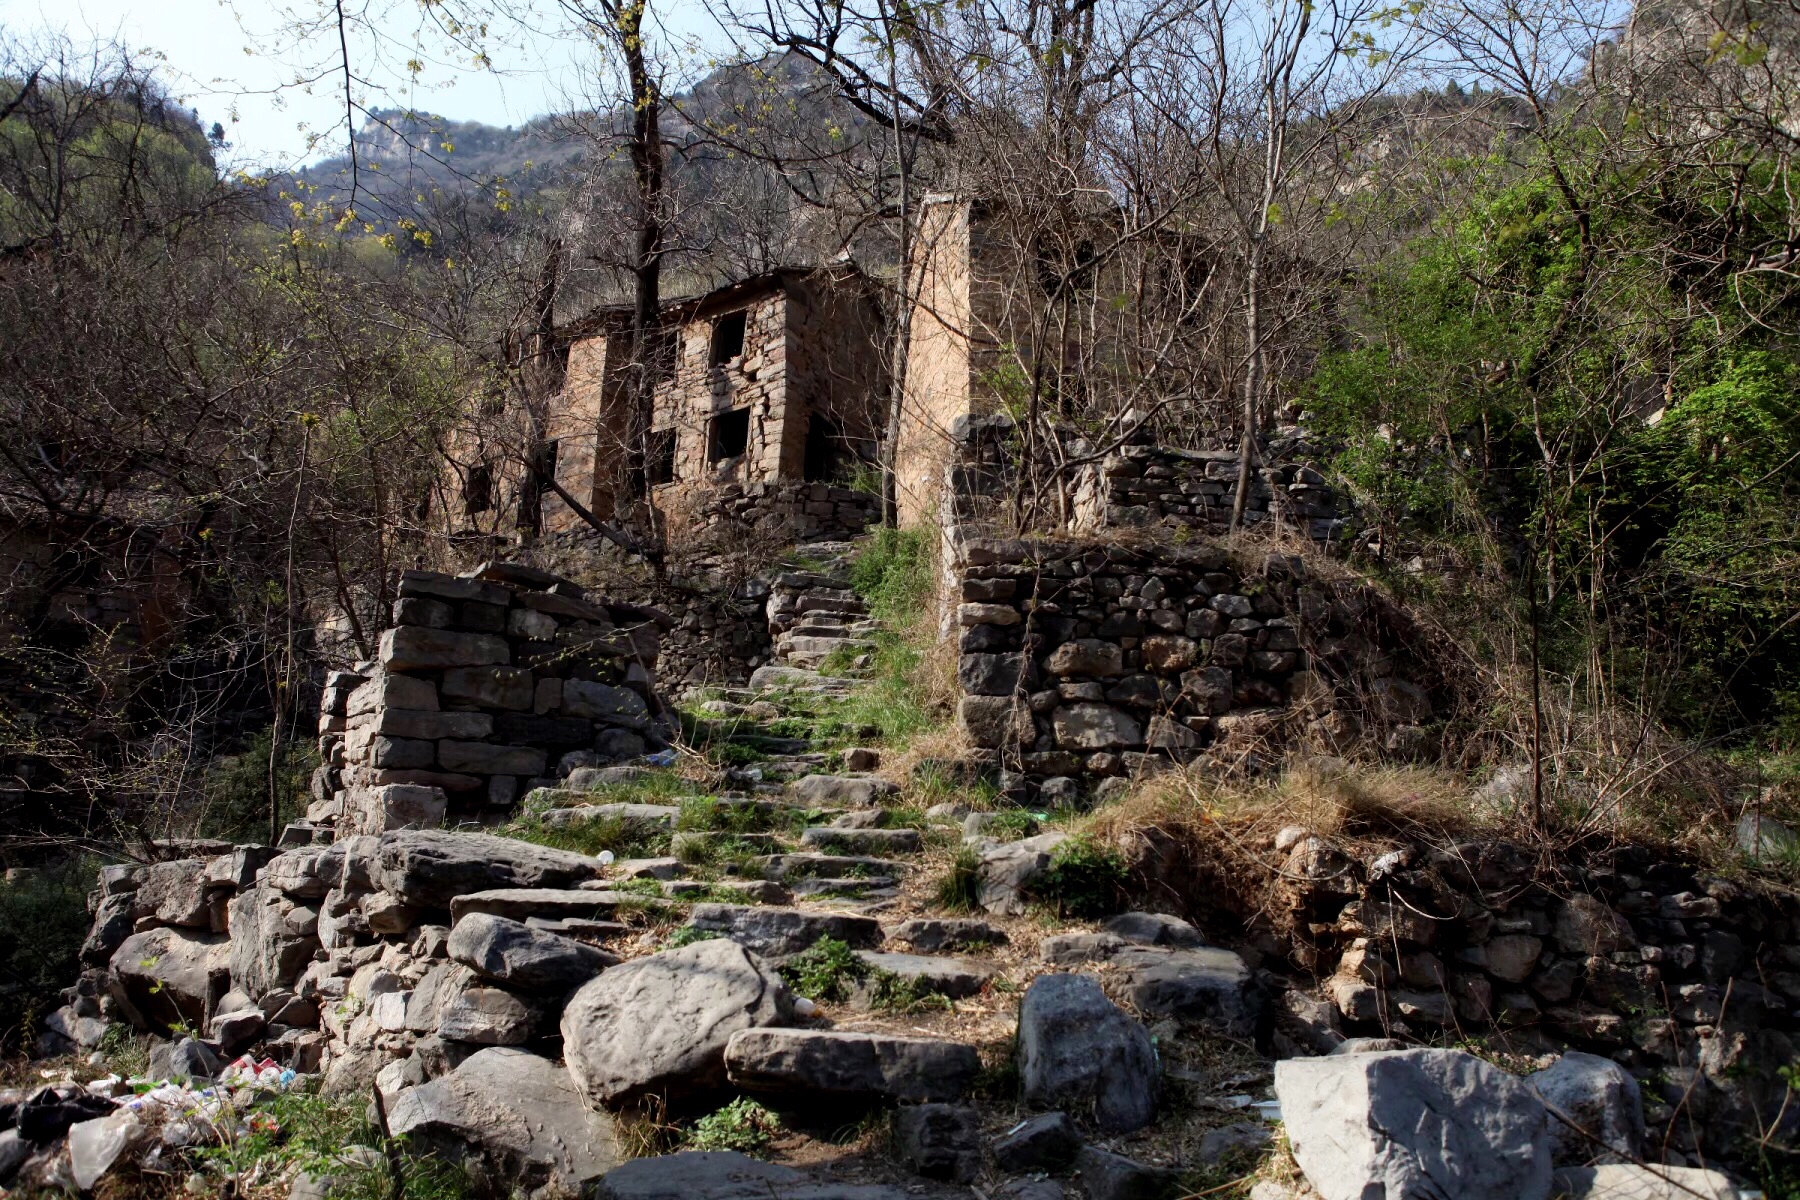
{"type": "Point", "coordinates": [1596, 1111]}
{"type": "Point", "coordinates": [515, 1119]}
{"type": "Point", "coordinates": [428, 868]}
{"type": "Point", "coordinates": [814, 1064]}
{"type": "Point", "coordinates": [1414, 1123]}
{"type": "Point", "coordinates": [659, 1025]}
{"type": "Point", "coordinates": [1206, 985]}
{"type": "Point", "coordinates": [174, 893]}
{"type": "Point", "coordinates": [1079, 1050]}
{"type": "Point", "coordinates": [728, 1175]}
{"type": "Point", "coordinates": [170, 977]}
{"type": "Point", "coordinates": [272, 940]}
{"type": "Point", "coordinates": [522, 957]}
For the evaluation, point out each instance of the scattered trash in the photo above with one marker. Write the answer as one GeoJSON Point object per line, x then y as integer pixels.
{"type": "Point", "coordinates": [662, 758]}
{"type": "Point", "coordinates": [804, 1007]}
{"type": "Point", "coordinates": [606, 858]}
{"type": "Point", "coordinates": [1268, 1110]}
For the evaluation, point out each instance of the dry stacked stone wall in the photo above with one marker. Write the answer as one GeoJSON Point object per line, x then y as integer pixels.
{"type": "Point", "coordinates": [795, 512]}
{"type": "Point", "coordinates": [484, 687]}
{"type": "Point", "coordinates": [1689, 980]}
{"type": "Point", "coordinates": [1141, 486]}
{"type": "Point", "coordinates": [1103, 659]}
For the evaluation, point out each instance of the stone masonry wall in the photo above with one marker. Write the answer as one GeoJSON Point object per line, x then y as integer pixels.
{"type": "Point", "coordinates": [796, 512]}
{"type": "Point", "coordinates": [1141, 486]}
{"type": "Point", "coordinates": [1088, 658]}
{"type": "Point", "coordinates": [485, 686]}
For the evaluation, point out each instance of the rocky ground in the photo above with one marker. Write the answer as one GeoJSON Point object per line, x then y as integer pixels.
{"type": "Point", "coordinates": [789, 970]}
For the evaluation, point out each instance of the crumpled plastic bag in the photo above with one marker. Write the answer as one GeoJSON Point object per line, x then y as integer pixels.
{"type": "Point", "coordinates": [94, 1146]}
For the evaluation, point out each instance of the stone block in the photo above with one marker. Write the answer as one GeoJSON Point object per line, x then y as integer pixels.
{"type": "Point", "coordinates": [430, 726]}
{"type": "Point", "coordinates": [485, 758]}
{"type": "Point", "coordinates": [393, 691]}
{"type": "Point", "coordinates": [491, 687]}
{"type": "Point", "coordinates": [411, 648]}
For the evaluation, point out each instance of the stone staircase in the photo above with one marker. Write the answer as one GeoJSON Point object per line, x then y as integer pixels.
{"type": "Point", "coordinates": [814, 614]}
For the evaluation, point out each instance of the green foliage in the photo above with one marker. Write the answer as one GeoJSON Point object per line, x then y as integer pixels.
{"type": "Point", "coordinates": [43, 921]}
{"type": "Point", "coordinates": [892, 574]}
{"type": "Point", "coordinates": [894, 994]}
{"type": "Point", "coordinates": [237, 788]}
{"type": "Point", "coordinates": [709, 813]}
{"type": "Point", "coordinates": [625, 838]}
{"type": "Point", "coordinates": [743, 1125]}
{"type": "Point", "coordinates": [827, 970]}
{"type": "Point", "coordinates": [687, 935]}
{"type": "Point", "coordinates": [1084, 879]}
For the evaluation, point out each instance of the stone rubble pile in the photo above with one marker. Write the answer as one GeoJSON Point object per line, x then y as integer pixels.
{"type": "Point", "coordinates": [484, 688]}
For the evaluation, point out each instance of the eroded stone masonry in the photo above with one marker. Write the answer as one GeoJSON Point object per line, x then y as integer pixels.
{"type": "Point", "coordinates": [485, 687]}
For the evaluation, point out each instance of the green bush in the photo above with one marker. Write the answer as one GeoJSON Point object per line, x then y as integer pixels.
{"type": "Point", "coordinates": [826, 970]}
{"type": "Point", "coordinates": [1084, 879]}
{"type": "Point", "coordinates": [43, 921]}
{"type": "Point", "coordinates": [893, 574]}
{"type": "Point", "coordinates": [237, 789]}
{"type": "Point", "coordinates": [743, 1125]}
{"type": "Point", "coordinates": [960, 889]}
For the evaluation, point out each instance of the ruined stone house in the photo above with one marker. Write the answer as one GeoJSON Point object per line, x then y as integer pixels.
{"type": "Point", "coordinates": [775, 379]}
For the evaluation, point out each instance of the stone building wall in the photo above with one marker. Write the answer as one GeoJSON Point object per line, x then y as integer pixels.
{"type": "Point", "coordinates": [485, 686]}
{"type": "Point", "coordinates": [1087, 659]}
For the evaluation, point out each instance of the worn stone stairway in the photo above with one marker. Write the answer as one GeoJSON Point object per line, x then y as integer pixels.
{"type": "Point", "coordinates": [814, 614]}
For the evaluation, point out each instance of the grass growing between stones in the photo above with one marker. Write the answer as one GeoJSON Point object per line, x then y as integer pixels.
{"type": "Point", "coordinates": [959, 891]}
{"type": "Point", "coordinates": [624, 838]}
{"type": "Point", "coordinates": [1086, 878]}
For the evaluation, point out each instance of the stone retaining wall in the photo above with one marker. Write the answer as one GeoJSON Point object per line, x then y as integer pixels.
{"type": "Point", "coordinates": [1091, 658]}
{"type": "Point", "coordinates": [1141, 486]}
{"type": "Point", "coordinates": [484, 686]}
{"type": "Point", "coordinates": [1689, 980]}
{"type": "Point", "coordinates": [796, 512]}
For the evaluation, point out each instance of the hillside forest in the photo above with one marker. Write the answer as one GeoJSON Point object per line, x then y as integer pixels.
{"type": "Point", "coordinates": [1526, 276]}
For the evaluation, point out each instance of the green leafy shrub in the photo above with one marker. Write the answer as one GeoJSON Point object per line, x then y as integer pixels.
{"type": "Point", "coordinates": [687, 935]}
{"type": "Point", "coordinates": [826, 970]}
{"type": "Point", "coordinates": [43, 921]}
{"type": "Point", "coordinates": [743, 1125]}
{"type": "Point", "coordinates": [1084, 879]}
{"type": "Point", "coordinates": [236, 789]}
{"type": "Point", "coordinates": [893, 574]}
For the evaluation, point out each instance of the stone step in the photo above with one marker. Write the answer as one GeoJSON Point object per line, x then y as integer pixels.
{"type": "Point", "coordinates": [706, 841]}
{"type": "Point", "coordinates": [743, 891]}
{"type": "Point", "coordinates": [779, 932]}
{"type": "Point", "coordinates": [773, 677]}
{"type": "Point", "coordinates": [651, 816]}
{"type": "Point", "coordinates": [843, 791]}
{"type": "Point", "coordinates": [864, 841]}
{"type": "Point", "coordinates": [953, 978]}
{"type": "Point", "coordinates": [931, 934]}
{"type": "Point", "coordinates": [874, 887]}
{"type": "Point", "coordinates": [521, 904]}
{"type": "Point", "coordinates": [805, 1063]}
{"type": "Point", "coordinates": [798, 866]}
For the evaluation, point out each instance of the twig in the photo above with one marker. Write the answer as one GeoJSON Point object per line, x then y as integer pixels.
{"type": "Point", "coordinates": [396, 1165]}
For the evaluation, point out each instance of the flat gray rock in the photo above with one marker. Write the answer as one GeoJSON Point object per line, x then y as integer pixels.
{"type": "Point", "coordinates": [514, 1118]}
{"type": "Point", "coordinates": [798, 866]}
{"type": "Point", "coordinates": [1209, 986]}
{"type": "Point", "coordinates": [1154, 929]}
{"type": "Point", "coordinates": [659, 1025]}
{"type": "Point", "coordinates": [490, 1016]}
{"type": "Point", "coordinates": [165, 977]}
{"type": "Point", "coordinates": [1414, 1123]}
{"type": "Point", "coordinates": [429, 868]}
{"type": "Point", "coordinates": [1079, 1050]}
{"type": "Point", "coordinates": [778, 932]}
{"type": "Point", "coordinates": [646, 816]}
{"type": "Point", "coordinates": [1007, 871]}
{"type": "Point", "coordinates": [930, 935]}
{"type": "Point", "coordinates": [818, 1063]}
{"type": "Point", "coordinates": [514, 954]}
{"type": "Point", "coordinates": [1630, 1182]}
{"type": "Point", "coordinates": [954, 978]}
{"type": "Point", "coordinates": [521, 904]}
{"type": "Point", "coordinates": [863, 841]}
{"type": "Point", "coordinates": [842, 791]}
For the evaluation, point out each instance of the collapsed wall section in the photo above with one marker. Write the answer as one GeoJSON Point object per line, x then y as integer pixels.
{"type": "Point", "coordinates": [484, 687]}
{"type": "Point", "coordinates": [1098, 658]}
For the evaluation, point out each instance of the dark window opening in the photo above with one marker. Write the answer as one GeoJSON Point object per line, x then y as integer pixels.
{"type": "Point", "coordinates": [660, 456]}
{"type": "Point", "coordinates": [729, 435]}
{"type": "Point", "coordinates": [665, 353]}
{"type": "Point", "coordinates": [824, 450]}
{"type": "Point", "coordinates": [478, 489]}
{"type": "Point", "coordinates": [727, 338]}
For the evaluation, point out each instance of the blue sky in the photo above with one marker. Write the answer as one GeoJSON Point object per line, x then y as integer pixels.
{"type": "Point", "coordinates": [221, 60]}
